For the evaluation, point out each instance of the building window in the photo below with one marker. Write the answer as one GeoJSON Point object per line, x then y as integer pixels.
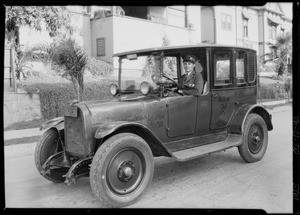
{"type": "Point", "coordinates": [245, 27]}
{"type": "Point", "coordinates": [272, 31]}
{"type": "Point", "coordinates": [226, 21]}
{"type": "Point", "coordinates": [177, 16]}
{"type": "Point", "coordinates": [100, 46]}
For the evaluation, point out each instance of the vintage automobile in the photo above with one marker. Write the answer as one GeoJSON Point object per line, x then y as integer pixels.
{"type": "Point", "coordinates": [114, 141]}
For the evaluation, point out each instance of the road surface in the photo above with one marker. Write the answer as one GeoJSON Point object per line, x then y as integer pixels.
{"type": "Point", "coordinates": [220, 180]}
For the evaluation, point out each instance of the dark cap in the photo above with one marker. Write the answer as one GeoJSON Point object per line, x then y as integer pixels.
{"type": "Point", "coordinates": [189, 58]}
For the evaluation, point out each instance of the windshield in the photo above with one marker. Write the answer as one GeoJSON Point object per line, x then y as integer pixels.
{"type": "Point", "coordinates": [141, 69]}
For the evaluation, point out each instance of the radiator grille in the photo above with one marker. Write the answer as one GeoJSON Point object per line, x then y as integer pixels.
{"type": "Point", "coordinates": [74, 135]}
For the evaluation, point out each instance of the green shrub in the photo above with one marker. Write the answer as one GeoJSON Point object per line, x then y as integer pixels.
{"type": "Point", "coordinates": [56, 98]}
{"type": "Point", "coordinates": [99, 68]}
{"type": "Point", "coordinates": [271, 91]}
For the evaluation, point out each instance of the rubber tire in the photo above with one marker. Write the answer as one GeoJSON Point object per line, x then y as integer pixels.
{"type": "Point", "coordinates": [44, 149]}
{"type": "Point", "coordinates": [101, 160]}
{"type": "Point", "coordinates": [244, 151]}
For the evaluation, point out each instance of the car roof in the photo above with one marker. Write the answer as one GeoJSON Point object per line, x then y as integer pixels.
{"type": "Point", "coordinates": [140, 51]}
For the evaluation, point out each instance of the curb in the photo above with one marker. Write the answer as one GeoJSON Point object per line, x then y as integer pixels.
{"type": "Point", "coordinates": [15, 134]}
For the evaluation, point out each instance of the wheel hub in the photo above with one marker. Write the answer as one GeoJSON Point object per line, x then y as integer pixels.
{"type": "Point", "coordinates": [126, 171]}
{"type": "Point", "coordinates": [255, 139]}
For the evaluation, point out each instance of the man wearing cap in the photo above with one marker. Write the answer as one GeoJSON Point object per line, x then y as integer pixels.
{"type": "Point", "coordinates": [192, 81]}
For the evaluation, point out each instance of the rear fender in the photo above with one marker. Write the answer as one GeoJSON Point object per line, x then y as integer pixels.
{"type": "Point", "coordinates": [57, 123]}
{"type": "Point", "coordinates": [239, 119]}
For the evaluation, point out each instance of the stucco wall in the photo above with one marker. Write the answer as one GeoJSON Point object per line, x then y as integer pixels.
{"type": "Point", "coordinates": [225, 36]}
{"type": "Point", "coordinates": [103, 28]}
{"type": "Point", "coordinates": [253, 28]}
{"type": "Point", "coordinates": [83, 31]}
{"type": "Point", "coordinates": [133, 33]}
{"type": "Point", "coordinates": [207, 24]}
{"type": "Point", "coordinates": [20, 107]}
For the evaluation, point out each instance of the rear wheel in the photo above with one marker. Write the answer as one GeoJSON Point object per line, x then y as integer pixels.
{"type": "Point", "coordinates": [121, 170]}
{"type": "Point", "coordinates": [255, 139]}
{"type": "Point", "coordinates": [49, 144]}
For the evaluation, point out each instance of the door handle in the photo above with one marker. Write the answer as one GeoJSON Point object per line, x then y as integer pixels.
{"type": "Point", "coordinates": [214, 95]}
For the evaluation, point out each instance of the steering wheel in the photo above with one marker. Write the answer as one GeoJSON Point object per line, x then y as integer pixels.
{"type": "Point", "coordinates": [177, 85]}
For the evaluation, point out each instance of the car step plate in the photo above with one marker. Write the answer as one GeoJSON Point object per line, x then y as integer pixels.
{"type": "Point", "coordinates": [232, 140]}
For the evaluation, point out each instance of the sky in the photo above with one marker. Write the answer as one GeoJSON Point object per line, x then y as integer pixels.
{"type": "Point", "coordinates": [287, 9]}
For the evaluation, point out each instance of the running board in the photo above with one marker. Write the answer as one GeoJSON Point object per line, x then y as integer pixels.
{"type": "Point", "coordinates": [232, 140]}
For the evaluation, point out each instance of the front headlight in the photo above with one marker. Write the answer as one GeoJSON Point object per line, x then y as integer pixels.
{"type": "Point", "coordinates": [145, 88]}
{"type": "Point", "coordinates": [114, 89]}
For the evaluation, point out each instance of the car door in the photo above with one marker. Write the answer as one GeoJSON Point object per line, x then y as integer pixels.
{"type": "Point", "coordinates": [223, 93]}
{"type": "Point", "coordinates": [181, 110]}
{"type": "Point", "coordinates": [182, 115]}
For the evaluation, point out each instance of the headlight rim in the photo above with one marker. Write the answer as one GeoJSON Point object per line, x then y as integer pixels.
{"type": "Point", "coordinates": [114, 87]}
{"type": "Point", "coordinates": [148, 87]}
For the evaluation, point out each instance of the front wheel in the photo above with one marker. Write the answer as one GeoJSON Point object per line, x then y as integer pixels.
{"type": "Point", "coordinates": [255, 139]}
{"type": "Point", "coordinates": [121, 170]}
{"type": "Point", "coordinates": [49, 144]}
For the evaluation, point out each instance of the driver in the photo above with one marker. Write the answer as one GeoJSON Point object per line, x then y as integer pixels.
{"type": "Point", "coordinates": [191, 82]}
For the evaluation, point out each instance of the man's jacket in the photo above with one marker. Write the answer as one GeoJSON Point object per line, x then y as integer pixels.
{"type": "Point", "coordinates": [192, 84]}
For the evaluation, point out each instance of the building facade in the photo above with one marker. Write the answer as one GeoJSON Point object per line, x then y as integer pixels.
{"type": "Point", "coordinates": [105, 30]}
{"type": "Point", "coordinates": [251, 26]}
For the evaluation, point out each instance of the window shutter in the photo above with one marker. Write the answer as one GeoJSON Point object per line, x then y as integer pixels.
{"type": "Point", "coordinates": [100, 46]}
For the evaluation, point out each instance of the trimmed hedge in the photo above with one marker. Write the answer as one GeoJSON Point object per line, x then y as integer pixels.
{"type": "Point", "coordinates": [271, 91]}
{"type": "Point", "coordinates": [56, 98]}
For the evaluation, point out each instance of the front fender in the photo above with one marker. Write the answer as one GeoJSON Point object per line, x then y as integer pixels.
{"type": "Point", "coordinates": [57, 122]}
{"type": "Point", "coordinates": [105, 129]}
{"type": "Point", "coordinates": [238, 121]}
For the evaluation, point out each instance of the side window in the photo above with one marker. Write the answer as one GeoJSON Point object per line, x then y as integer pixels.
{"type": "Point", "coordinates": [251, 68]}
{"type": "Point", "coordinates": [222, 68]}
{"type": "Point", "coordinates": [170, 67]}
{"type": "Point", "coordinates": [240, 68]}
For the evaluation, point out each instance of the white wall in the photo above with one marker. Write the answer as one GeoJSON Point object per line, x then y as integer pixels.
{"type": "Point", "coordinates": [82, 34]}
{"type": "Point", "coordinates": [132, 33]}
{"type": "Point", "coordinates": [207, 24]}
{"type": "Point", "coordinates": [253, 28]}
{"type": "Point", "coordinates": [103, 28]}
{"type": "Point", "coordinates": [225, 36]}
{"type": "Point", "coordinates": [83, 31]}
{"type": "Point", "coordinates": [29, 37]}
{"type": "Point", "coordinates": [194, 18]}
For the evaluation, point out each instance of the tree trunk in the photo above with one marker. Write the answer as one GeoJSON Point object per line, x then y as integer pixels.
{"type": "Point", "coordinates": [76, 87]}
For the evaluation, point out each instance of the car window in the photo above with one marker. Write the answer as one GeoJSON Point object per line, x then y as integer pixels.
{"type": "Point", "coordinates": [170, 67]}
{"type": "Point", "coordinates": [240, 67]}
{"type": "Point", "coordinates": [136, 71]}
{"type": "Point", "coordinates": [222, 68]}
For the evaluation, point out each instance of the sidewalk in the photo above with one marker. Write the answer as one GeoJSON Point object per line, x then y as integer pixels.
{"type": "Point", "coordinates": [8, 135]}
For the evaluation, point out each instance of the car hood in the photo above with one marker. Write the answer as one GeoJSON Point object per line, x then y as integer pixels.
{"type": "Point", "coordinates": [124, 108]}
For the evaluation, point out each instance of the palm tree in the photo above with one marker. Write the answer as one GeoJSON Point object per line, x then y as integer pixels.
{"type": "Point", "coordinates": [282, 49]}
{"type": "Point", "coordinates": [73, 57]}
{"type": "Point", "coordinates": [70, 56]}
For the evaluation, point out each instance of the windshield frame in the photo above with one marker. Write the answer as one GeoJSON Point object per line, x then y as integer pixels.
{"type": "Point", "coordinates": [160, 54]}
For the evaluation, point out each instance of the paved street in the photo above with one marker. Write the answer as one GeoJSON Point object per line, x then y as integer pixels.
{"type": "Point", "coordinates": [221, 180]}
